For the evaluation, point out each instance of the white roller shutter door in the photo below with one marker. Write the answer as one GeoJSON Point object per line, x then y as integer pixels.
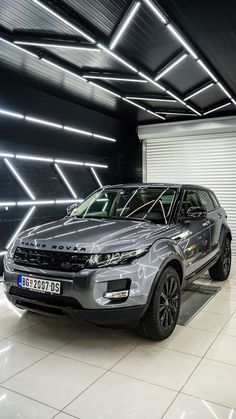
{"type": "Point", "coordinates": [203, 159]}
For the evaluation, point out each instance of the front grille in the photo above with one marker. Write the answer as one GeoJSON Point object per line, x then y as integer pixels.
{"type": "Point", "coordinates": [53, 300]}
{"type": "Point", "coordinates": [47, 259]}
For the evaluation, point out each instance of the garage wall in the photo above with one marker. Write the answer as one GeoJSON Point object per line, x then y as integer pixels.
{"type": "Point", "coordinates": [200, 152]}
{"type": "Point", "coordinates": [19, 136]}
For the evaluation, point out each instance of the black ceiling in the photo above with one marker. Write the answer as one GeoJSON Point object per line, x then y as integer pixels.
{"type": "Point", "coordinates": [147, 44]}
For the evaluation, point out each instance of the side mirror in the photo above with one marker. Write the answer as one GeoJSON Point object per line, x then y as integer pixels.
{"type": "Point", "coordinates": [196, 213]}
{"type": "Point", "coordinates": [70, 209]}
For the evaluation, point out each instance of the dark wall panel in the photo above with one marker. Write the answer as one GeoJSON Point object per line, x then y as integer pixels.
{"type": "Point", "coordinates": [20, 136]}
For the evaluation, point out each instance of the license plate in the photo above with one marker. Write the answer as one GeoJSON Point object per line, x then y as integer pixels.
{"type": "Point", "coordinates": [42, 285]}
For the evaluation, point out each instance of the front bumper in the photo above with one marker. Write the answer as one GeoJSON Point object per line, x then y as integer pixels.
{"type": "Point", "coordinates": [83, 292]}
{"type": "Point", "coordinates": [102, 317]}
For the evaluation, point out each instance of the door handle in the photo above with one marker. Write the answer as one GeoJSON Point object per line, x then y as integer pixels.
{"type": "Point", "coordinates": [207, 223]}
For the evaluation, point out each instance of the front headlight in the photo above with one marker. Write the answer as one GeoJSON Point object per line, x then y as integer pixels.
{"type": "Point", "coordinates": [11, 251]}
{"type": "Point", "coordinates": [111, 259]}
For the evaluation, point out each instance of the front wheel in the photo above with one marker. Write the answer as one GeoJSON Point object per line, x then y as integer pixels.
{"type": "Point", "coordinates": [221, 270]}
{"type": "Point", "coordinates": [162, 314]}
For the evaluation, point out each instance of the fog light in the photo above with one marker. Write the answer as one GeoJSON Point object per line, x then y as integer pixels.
{"type": "Point", "coordinates": [116, 294]}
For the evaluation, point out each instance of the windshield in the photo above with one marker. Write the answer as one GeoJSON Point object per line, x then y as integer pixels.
{"type": "Point", "coordinates": [143, 203]}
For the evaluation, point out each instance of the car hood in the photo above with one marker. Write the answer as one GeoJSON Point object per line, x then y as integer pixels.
{"type": "Point", "coordinates": [92, 235]}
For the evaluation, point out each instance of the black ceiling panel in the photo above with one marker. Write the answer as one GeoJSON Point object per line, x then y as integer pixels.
{"type": "Point", "coordinates": [147, 44]}
{"type": "Point", "coordinates": [185, 76]}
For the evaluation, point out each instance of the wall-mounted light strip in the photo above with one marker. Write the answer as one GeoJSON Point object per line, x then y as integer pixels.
{"type": "Point", "coordinates": [65, 180]}
{"type": "Point", "coordinates": [46, 159]}
{"type": "Point", "coordinates": [43, 122]}
{"type": "Point", "coordinates": [175, 97]}
{"type": "Point", "coordinates": [157, 12]}
{"type": "Point", "coordinates": [77, 131]}
{"type": "Point", "coordinates": [7, 204]}
{"type": "Point", "coordinates": [39, 203]}
{"type": "Point", "coordinates": [151, 99]}
{"type": "Point", "coordinates": [3, 253]}
{"type": "Point", "coordinates": [19, 179]}
{"type": "Point", "coordinates": [65, 21]}
{"type": "Point", "coordinates": [124, 23]}
{"type": "Point", "coordinates": [21, 226]}
{"type": "Point", "coordinates": [197, 92]}
{"type": "Point", "coordinates": [155, 114]}
{"type": "Point", "coordinates": [26, 157]}
{"type": "Point", "coordinates": [170, 67]}
{"type": "Point", "coordinates": [233, 101]}
{"type": "Point", "coordinates": [96, 177]}
{"type": "Point", "coordinates": [27, 203]}
{"type": "Point", "coordinates": [13, 114]}
{"type": "Point", "coordinates": [216, 109]}
{"type": "Point", "coordinates": [56, 125]}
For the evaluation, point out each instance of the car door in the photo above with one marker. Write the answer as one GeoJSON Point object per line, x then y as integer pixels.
{"type": "Point", "coordinates": [214, 216]}
{"type": "Point", "coordinates": [196, 241]}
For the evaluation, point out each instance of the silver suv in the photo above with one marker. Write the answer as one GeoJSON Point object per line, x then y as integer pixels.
{"type": "Point", "coordinates": [122, 256]}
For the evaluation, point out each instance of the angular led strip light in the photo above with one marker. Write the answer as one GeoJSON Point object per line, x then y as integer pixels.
{"type": "Point", "coordinates": [21, 226]}
{"type": "Point", "coordinates": [54, 125]}
{"type": "Point", "coordinates": [48, 160]}
{"type": "Point", "coordinates": [65, 180]}
{"type": "Point", "coordinates": [19, 179]}
{"type": "Point", "coordinates": [131, 12]}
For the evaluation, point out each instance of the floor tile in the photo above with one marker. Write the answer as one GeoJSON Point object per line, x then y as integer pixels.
{"type": "Point", "coordinates": [205, 320]}
{"type": "Point", "coordinates": [230, 327]}
{"type": "Point", "coordinates": [213, 381]}
{"type": "Point", "coordinates": [115, 396]}
{"type": "Point", "coordinates": [221, 305]}
{"type": "Point", "coordinates": [188, 407]}
{"type": "Point", "coordinates": [188, 340]}
{"type": "Point", "coordinates": [4, 303]}
{"type": "Point", "coordinates": [223, 350]}
{"type": "Point", "coordinates": [12, 322]}
{"type": "Point", "coordinates": [228, 293]}
{"type": "Point", "coordinates": [54, 380]}
{"type": "Point", "coordinates": [101, 347]}
{"type": "Point", "coordinates": [15, 357]}
{"type": "Point", "coordinates": [158, 365]}
{"type": "Point", "coordinates": [49, 335]}
{"type": "Point", "coordinates": [15, 406]}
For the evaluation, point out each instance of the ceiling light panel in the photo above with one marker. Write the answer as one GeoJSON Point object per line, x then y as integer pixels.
{"type": "Point", "coordinates": [151, 99]}
{"type": "Point", "coordinates": [155, 10]}
{"type": "Point", "coordinates": [217, 108]}
{"type": "Point", "coordinates": [11, 114]}
{"type": "Point", "coordinates": [43, 122]}
{"type": "Point", "coordinates": [197, 92]}
{"type": "Point", "coordinates": [170, 67]}
{"type": "Point", "coordinates": [125, 22]}
{"type": "Point", "coordinates": [181, 40]}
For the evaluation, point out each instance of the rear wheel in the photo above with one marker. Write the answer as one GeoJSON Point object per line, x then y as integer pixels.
{"type": "Point", "coordinates": [161, 317]}
{"type": "Point", "coordinates": [221, 270]}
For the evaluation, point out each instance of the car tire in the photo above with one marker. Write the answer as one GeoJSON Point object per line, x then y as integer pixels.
{"type": "Point", "coordinates": [162, 314]}
{"type": "Point", "coordinates": [221, 270]}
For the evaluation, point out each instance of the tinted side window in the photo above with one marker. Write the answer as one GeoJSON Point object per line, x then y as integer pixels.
{"type": "Point", "coordinates": [214, 199]}
{"type": "Point", "coordinates": [206, 201]}
{"type": "Point", "coordinates": [190, 200]}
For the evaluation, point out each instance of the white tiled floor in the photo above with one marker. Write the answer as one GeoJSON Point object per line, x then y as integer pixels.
{"type": "Point", "coordinates": [52, 368]}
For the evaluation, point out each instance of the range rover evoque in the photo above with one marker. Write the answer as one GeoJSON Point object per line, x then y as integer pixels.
{"type": "Point", "coordinates": [122, 256]}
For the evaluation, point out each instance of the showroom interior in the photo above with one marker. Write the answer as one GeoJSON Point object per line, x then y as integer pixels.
{"type": "Point", "coordinates": [112, 92]}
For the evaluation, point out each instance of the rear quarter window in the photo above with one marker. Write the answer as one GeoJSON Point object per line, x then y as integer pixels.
{"type": "Point", "coordinates": [206, 201]}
